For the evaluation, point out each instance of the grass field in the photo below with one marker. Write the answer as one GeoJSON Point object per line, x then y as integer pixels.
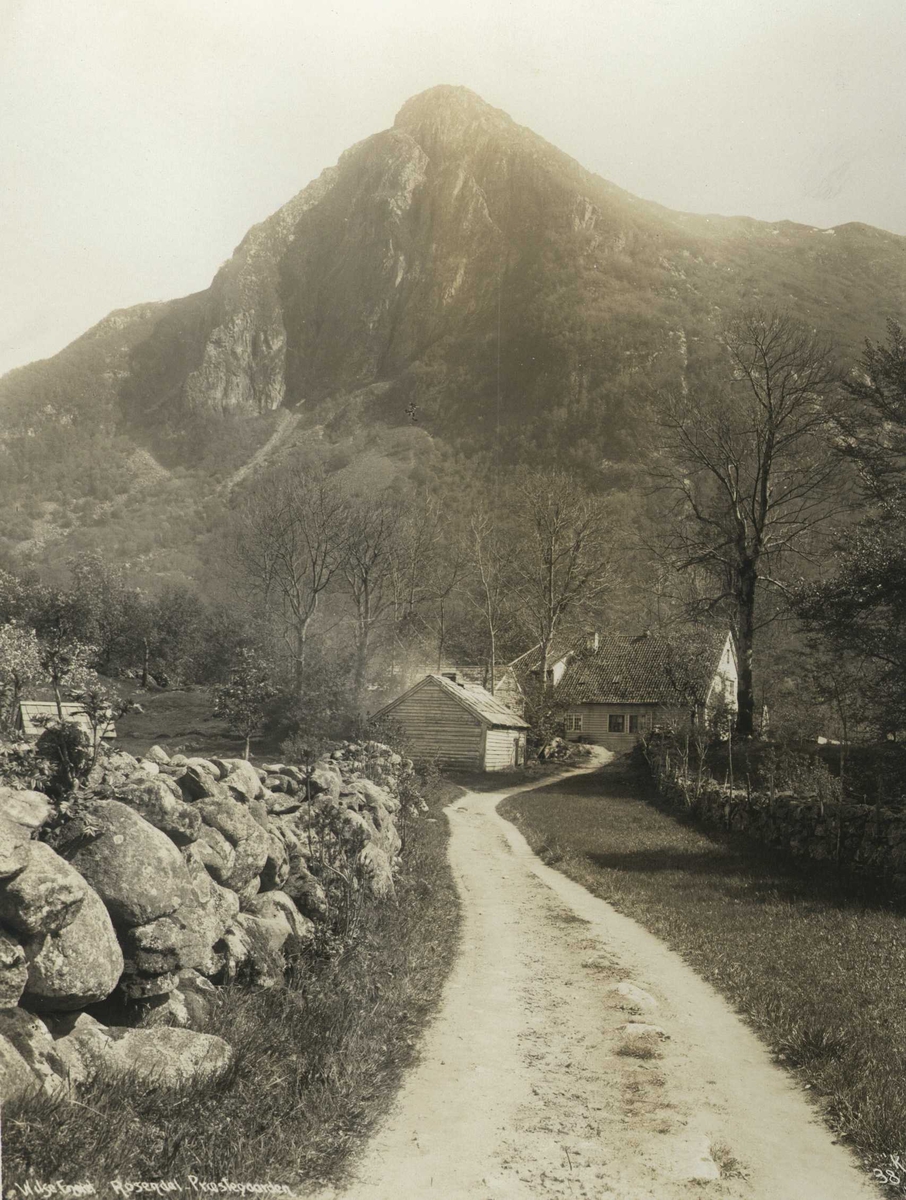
{"type": "Point", "coordinates": [817, 966]}
{"type": "Point", "coordinates": [180, 720]}
{"type": "Point", "coordinates": [317, 1062]}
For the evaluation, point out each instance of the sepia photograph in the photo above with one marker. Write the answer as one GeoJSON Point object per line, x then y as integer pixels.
{"type": "Point", "coordinates": [452, 599]}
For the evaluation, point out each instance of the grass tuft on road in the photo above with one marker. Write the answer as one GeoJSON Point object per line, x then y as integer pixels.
{"type": "Point", "coordinates": [817, 965]}
{"type": "Point", "coordinates": [317, 1062]}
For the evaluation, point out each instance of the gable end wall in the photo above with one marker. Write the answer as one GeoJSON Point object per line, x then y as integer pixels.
{"type": "Point", "coordinates": [439, 728]}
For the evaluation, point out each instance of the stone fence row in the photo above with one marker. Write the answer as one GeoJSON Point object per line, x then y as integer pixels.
{"type": "Point", "coordinates": [859, 838]}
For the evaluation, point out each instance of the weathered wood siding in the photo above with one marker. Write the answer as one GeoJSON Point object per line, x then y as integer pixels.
{"type": "Point", "coordinates": [595, 724]}
{"type": "Point", "coordinates": [501, 749]}
{"type": "Point", "coordinates": [437, 727]}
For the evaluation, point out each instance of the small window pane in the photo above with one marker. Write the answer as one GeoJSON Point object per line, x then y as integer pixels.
{"type": "Point", "coordinates": [635, 723]}
{"type": "Point", "coordinates": [616, 723]}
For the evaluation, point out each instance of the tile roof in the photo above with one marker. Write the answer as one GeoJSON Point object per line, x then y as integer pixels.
{"type": "Point", "coordinates": [646, 669]}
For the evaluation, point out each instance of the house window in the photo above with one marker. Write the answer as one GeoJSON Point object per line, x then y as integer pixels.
{"type": "Point", "coordinates": [573, 722]}
{"type": "Point", "coordinates": [635, 723]}
{"type": "Point", "coordinates": [616, 723]}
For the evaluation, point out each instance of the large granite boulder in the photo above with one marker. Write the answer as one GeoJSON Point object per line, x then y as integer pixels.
{"type": "Point", "coordinates": [197, 783]}
{"type": "Point", "coordinates": [77, 965]}
{"type": "Point", "coordinates": [188, 1006]}
{"type": "Point", "coordinates": [187, 938]}
{"type": "Point", "coordinates": [375, 795]}
{"type": "Point", "coordinates": [250, 953]}
{"type": "Point", "coordinates": [13, 850]}
{"type": "Point", "coordinates": [43, 898]}
{"type": "Point", "coordinates": [215, 852]}
{"type": "Point", "coordinates": [30, 810]}
{"type": "Point", "coordinates": [306, 891]}
{"type": "Point", "coordinates": [325, 780]}
{"type": "Point", "coordinates": [170, 943]}
{"type": "Point", "coordinates": [275, 871]}
{"type": "Point", "coordinates": [135, 985]}
{"type": "Point", "coordinates": [135, 869]}
{"type": "Point", "coordinates": [17, 1080]}
{"type": "Point", "coordinates": [241, 778]}
{"type": "Point", "coordinates": [357, 828]}
{"type": "Point", "coordinates": [225, 902]}
{"type": "Point", "coordinates": [291, 932]}
{"type": "Point", "coordinates": [13, 970]}
{"type": "Point", "coordinates": [25, 1041]}
{"type": "Point", "coordinates": [165, 1058]}
{"type": "Point", "coordinates": [154, 800]}
{"type": "Point", "coordinates": [204, 764]}
{"type": "Point", "coordinates": [250, 843]}
{"type": "Point", "coordinates": [374, 867]}
{"type": "Point", "coordinates": [248, 892]}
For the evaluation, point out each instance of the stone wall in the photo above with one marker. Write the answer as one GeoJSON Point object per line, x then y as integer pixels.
{"type": "Point", "coordinates": [863, 839]}
{"type": "Point", "coordinates": [126, 906]}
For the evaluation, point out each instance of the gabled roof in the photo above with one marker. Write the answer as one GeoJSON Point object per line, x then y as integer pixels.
{"type": "Point", "coordinates": [33, 713]}
{"type": "Point", "coordinates": [474, 699]}
{"type": "Point", "coordinates": [560, 648]}
{"type": "Point", "coordinates": [646, 669]}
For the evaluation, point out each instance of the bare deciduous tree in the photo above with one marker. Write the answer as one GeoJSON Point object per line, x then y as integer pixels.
{"type": "Point", "coordinates": [487, 553]}
{"type": "Point", "coordinates": [291, 543]}
{"type": "Point", "coordinates": [563, 553]}
{"type": "Point", "coordinates": [748, 468]}
{"type": "Point", "coordinates": [428, 569]}
{"type": "Point", "coordinates": [374, 546]}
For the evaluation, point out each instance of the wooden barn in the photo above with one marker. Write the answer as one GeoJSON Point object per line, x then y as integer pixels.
{"type": "Point", "coordinates": [459, 724]}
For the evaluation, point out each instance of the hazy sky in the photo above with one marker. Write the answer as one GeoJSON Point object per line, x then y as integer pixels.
{"type": "Point", "coordinates": [141, 138]}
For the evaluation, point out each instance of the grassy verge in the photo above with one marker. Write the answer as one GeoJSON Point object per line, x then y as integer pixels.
{"type": "Point", "coordinates": [317, 1062]}
{"type": "Point", "coordinates": [817, 965]}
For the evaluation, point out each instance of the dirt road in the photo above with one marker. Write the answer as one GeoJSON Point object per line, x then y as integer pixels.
{"type": "Point", "coordinates": [537, 1079]}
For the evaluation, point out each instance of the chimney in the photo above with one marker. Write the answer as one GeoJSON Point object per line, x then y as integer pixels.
{"type": "Point", "coordinates": [594, 641]}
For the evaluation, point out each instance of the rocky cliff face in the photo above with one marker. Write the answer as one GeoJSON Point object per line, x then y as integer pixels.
{"type": "Point", "coordinates": [465, 266]}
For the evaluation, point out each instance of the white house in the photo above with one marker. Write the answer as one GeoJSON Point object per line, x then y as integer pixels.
{"type": "Point", "coordinates": [622, 687]}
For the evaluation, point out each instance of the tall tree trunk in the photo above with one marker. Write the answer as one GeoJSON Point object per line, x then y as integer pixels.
{"type": "Point", "coordinates": [363, 638]}
{"type": "Point", "coordinates": [442, 634]}
{"type": "Point", "coordinates": [301, 635]}
{"type": "Point", "coordinates": [146, 654]}
{"type": "Point", "coordinates": [745, 718]}
{"type": "Point", "coordinates": [361, 660]}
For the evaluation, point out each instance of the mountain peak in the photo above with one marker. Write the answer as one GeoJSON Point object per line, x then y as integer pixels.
{"type": "Point", "coordinates": [448, 110]}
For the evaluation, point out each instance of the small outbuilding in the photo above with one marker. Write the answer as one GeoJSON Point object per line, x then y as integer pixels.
{"type": "Point", "coordinates": [33, 715]}
{"type": "Point", "coordinates": [458, 724]}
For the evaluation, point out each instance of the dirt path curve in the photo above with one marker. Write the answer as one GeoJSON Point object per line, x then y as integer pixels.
{"type": "Point", "coordinates": [521, 1090]}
